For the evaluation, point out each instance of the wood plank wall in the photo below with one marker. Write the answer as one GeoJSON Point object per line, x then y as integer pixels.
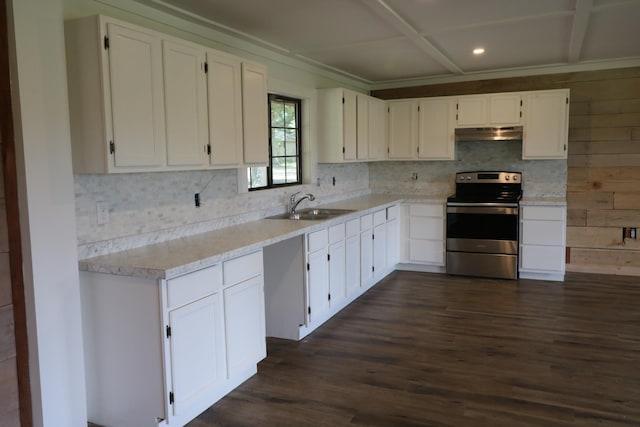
{"type": "Point", "coordinates": [603, 193]}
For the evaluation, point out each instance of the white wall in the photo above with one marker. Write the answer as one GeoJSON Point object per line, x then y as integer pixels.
{"type": "Point", "coordinates": [47, 214]}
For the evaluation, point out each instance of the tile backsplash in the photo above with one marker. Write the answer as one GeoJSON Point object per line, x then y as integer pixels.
{"type": "Point", "coordinates": [148, 208]}
{"type": "Point", "coordinates": [541, 178]}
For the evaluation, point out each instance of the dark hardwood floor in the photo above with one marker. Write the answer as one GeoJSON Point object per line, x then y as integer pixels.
{"type": "Point", "coordinates": [434, 350]}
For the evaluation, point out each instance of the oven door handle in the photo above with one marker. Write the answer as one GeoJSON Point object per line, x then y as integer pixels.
{"type": "Point", "coordinates": [486, 210]}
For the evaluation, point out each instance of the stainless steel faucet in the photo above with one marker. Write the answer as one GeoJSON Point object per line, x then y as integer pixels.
{"type": "Point", "coordinates": [293, 203]}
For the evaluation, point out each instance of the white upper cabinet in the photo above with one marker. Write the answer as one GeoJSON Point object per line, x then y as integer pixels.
{"type": "Point", "coordinates": [255, 114]}
{"type": "Point", "coordinates": [143, 101]}
{"type": "Point", "coordinates": [362, 126]}
{"type": "Point", "coordinates": [185, 97]}
{"type": "Point", "coordinates": [472, 111]}
{"type": "Point", "coordinates": [351, 126]}
{"type": "Point", "coordinates": [403, 129]}
{"type": "Point", "coordinates": [377, 129]}
{"type": "Point", "coordinates": [224, 90]}
{"type": "Point", "coordinates": [497, 109]}
{"type": "Point", "coordinates": [546, 127]}
{"type": "Point", "coordinates": [116, 100]}
{"type": "Point", "coordinates": [436, 130]}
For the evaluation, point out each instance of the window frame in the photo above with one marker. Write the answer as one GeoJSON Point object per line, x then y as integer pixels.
{"type": "Point", "coordinates": [299, 176]}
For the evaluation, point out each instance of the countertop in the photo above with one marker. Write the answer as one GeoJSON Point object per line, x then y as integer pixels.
{"type": "Point", "coordinates": [180, 256]}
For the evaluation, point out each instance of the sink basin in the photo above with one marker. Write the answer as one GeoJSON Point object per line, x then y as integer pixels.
{"type": "Point", "coordinates": [313, 214]}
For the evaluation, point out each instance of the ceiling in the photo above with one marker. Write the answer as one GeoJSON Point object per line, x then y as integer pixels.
{"type": "Point", "coordinates": [383, 41]}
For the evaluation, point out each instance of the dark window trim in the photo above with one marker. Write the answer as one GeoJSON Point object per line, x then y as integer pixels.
{"type": "Point", "coordinates": [270, 184]}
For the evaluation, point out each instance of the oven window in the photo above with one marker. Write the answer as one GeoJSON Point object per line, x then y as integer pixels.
{"type": "Point", "coordinates": [482, 226]}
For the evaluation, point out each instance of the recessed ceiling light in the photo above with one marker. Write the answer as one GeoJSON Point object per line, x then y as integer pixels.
{"type": "Point", "coordinates": [478, 51]}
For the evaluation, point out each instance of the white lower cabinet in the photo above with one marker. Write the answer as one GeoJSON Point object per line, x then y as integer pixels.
{"type": "Point", "coordinates": [159, 352]}
{"type": "Point", "coordinates": [317, 275]}
{"type": "Point", "coordinates": [379, 244]}
{"type": "Point", "coordinates": [366, 250]}
{"type": "Point", "coordinates": [542, 242]}
{"type": "Point", "coordinates": [337, 265]}
{"type": "Point", "coordinates": [422, 245]}
{"type": "Point", "coordinates": [393, 236]}
{"type": "Point", "coordinates": [352, 256]}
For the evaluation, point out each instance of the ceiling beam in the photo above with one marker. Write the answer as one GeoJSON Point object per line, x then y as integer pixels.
{"type": "Point", "coordinates": [579, 29]}
{"type": "Point", "coordinates": [383, 10]}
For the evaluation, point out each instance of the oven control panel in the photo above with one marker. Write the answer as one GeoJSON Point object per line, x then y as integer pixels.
{"type": "Point", "coordinates": [489, 177]}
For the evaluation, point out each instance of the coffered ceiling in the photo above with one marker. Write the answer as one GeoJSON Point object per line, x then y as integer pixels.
{"type": "Point", "coordinates": [383, 41]}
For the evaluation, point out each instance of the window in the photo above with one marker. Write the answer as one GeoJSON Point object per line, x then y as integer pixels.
{"type": "Point", "coordinates": [284, 146]}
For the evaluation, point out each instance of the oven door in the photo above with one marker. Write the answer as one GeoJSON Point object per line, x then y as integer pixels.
{"type": "Point", "coordinates": [482, 229]}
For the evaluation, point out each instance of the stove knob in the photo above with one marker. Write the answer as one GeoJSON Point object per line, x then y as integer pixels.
{"type": "Point", "coordinates": [515, 177]}
{"type": "Point", "coordinates": [507, 177]}
{"type": "Point", "coordinates": [468, 178]}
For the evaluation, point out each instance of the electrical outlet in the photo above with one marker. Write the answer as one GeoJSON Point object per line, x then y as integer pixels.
{"type": "Point", "coordinates": [633, 233]}
{"type": "Point", "coordinates": [102, 213]}
{"type": "Point", "coordinates": [414, 177]}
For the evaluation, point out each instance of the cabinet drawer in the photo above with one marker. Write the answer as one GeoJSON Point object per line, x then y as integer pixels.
{"type": "Point", "coordinates": [379, 217]}
{"type": "Point", "coordinates": [353, 227]}
{"type": "Point", "coordinates": [190, 287]}
{"type": "Point", "coordinates": [543, 233]}
{"type": "Point", "coordinates": [392, 212]}
{"type": "Point", "coordinates": [242, 268]}
{"type": "Point", "coordinates": [548, 258]}
{"type": "Point", "coordinates": [426, 251]}
{"type": "Point", "coordinates": [543, 213]}
{"type": "Point", "coordinates": [426, 228]}
{"type": "Point", "coordinates": [426, 210]}
{"type": "Point", "coordinates": [366, 221]}
{"type": "Point", "coordinates": [317, 240]}
{"type": "Point", "coordinates": [336, 233]}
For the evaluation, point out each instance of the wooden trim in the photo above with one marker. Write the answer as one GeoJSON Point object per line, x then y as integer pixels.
{"type": "Point", "coordinates": [13, 224]}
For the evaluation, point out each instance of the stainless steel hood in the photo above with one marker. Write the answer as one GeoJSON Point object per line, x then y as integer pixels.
{"type": "Point", "coordinates": [513, 133]}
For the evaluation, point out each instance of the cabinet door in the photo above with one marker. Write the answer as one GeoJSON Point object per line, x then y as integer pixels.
{"type": "Point", "coordinates": [545, 128]}
{"type": "Point", "coordinates": [137, 104]}
{"type": "Point", "coordinates": [472, 111]}
{"type": "Point", "coordinates": [349, 123]}
{"type": "Point", "coordinates": [197, 352]}
{"type": "Point", "coordinates": [185, 104]}
{"type": "Point", "coordinates": [255, 122]}
{"type": "Point", "coordinates": [317, 284]}
{"type": "Point", "coordinates": [225, 109]}
{"type": "Point", "coordinates": [352, 263]}
{"type": "Point", "coordinates": [436, 135]}
{"type": "Point", "coordinates": [393, 248]}
{"type": "Point", "coordinates": [505, 109]}
{"type": "Point", "coordinates": [379, 249]}
{"type": "Point", "coordinates": [366, 257]}
{"type": "Point", "coordinates": [362, 134]}
{"type": "Point", "coordinates": [244, 322]}
{"type": "Point", "coordinates": [337, 273]}
{"type": "Point", "coordinates": [403, 129]}
{"type": "Point", "coordinates": [377, 129]}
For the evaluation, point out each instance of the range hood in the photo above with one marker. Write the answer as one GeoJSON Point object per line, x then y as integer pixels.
{"type": "Point", "coordinates": [513, 133]}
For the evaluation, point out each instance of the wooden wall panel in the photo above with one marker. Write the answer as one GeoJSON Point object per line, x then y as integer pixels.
{"type": "Point", "coordinates": [603, 183]}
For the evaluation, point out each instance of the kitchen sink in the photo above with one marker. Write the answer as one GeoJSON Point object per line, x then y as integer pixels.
{"type": "Point", "coordinates": [313, 214]}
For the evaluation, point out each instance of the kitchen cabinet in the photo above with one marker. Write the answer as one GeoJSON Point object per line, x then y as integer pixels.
{"type": "Point", "coordinates": [423, 240]}
{"type": "Point", "coordinates": [337, 265]}
{"type": "Point", "coordinates": [351, 126]}
{"type": "Point", "coordinates": [402, 129]}
{"type": "Point", "coordinates": [255, 121]}
{"type": "Point", "coordinates": [224, 96]}
{"type": "Point", "coordinates": [116, 99]}
{"type": "Point", "coordinates": [352, 256]}
{"type": "Point", "coordinates": [542, 242]}
{"type": "Point", "coordinates": [436, 129]}
{"type": "Point", "coordinates": [546, 126]}
{"type": "Point", "coordinates": [317, 275]}
{"type": "Point", "coordinates": [497, 109]}
{"type": "Point", "coordinates": [142, 101]}
{"type": "Point", "coordinates": [377, 129]}
{"type": "Point", "coordinates": [366, 250]}
{"type": "Point", "coordinates": [165, 350]}
{"type": "Point", "coordinates": [185, 95]}
{"type": "Point", "coordinates": [393, 236]}
{"type": "Point", "coordinates": [379, 259]}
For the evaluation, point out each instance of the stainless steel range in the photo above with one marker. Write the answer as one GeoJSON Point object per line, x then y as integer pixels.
{"type": "Point", "coordinates": [482, 224]}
